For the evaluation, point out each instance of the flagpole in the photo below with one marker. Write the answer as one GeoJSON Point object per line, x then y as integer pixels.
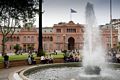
{"type": "Point", "coordinates": [70, 16]}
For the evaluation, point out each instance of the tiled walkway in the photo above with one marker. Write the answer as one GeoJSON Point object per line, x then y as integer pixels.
{"type": "Point", "coordinates": [5, 73]}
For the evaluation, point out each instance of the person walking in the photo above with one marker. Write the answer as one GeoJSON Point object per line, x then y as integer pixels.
{"type": "Point", "coordinates": [6, 61]}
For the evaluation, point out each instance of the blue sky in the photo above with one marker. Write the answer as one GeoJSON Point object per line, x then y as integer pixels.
{"type": "Point", "coordinates": [59, 11]}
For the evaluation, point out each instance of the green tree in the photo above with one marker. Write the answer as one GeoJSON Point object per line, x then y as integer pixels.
{"type": "Point", "coordinates": [12, 12]}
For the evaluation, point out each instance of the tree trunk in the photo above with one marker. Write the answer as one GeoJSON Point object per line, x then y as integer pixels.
{"type": "Point", "coordinates": [3, 46]}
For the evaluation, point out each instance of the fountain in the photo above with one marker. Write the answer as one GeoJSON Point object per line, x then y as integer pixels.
{"type": "Point", "coordinates": [94, 64]}
{"type": "Point", "coordinates": [93, 49]}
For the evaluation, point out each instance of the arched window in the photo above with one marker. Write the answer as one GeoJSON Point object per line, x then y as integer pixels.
{"type": "Point", "coordinates": [32, 38]}
{"type": "Point", "coordinates": [24, 39]}
{"type": "Point", "coordinates": [51, 39]}
{"type": "Point", "coordinates": [28, 39]}
{"type": "Point", "coordinates": [45, 38]}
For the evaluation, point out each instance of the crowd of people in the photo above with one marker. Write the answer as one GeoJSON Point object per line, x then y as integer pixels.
{"type": "Point", "coordinates": [47, 59]}
{"type": "Point", "coordinates": [69, 56]}
{"type": "Point", "coordinates": [44, 59]}
{"type": "Point", "coordinates": [113, 56]}
{"type": "Point", "coordinates": [72, 56]}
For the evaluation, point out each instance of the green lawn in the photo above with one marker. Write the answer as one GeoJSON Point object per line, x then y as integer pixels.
{"type": "Point", "coordinates": [58, 56]}
{"type": "Point", "coordinates": [15, 57]}
{"type": "Point", "coordinates": [24, 57]}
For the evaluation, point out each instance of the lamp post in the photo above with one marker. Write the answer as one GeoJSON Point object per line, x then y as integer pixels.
{"type": "Point", "coordinates": [64, 40]}
{"type": "Point", "coordinates": [40, 42]}
{"type": "Point", "coordinates": [111, 41]}
{"type": "Point", "coordinates": [40, 45]}
{"type": "Point", "coordinates": [66, 46]}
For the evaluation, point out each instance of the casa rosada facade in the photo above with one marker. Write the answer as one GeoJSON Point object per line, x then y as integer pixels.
{"type": "Point", "coordinates": [62, 36]}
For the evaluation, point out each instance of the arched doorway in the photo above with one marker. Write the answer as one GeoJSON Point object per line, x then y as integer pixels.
{"type": "Point", "coordinates": [71, 43]}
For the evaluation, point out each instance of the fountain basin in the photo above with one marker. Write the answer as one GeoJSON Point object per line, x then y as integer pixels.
{"type": "Point", "coordinates": [67, 71]}
{"type": "Point", "coordinates": [92, 70]}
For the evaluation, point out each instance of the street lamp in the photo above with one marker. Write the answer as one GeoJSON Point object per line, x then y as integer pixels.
{"type": "Point", "coordinates": [111, 23]}
{"type": "Point", "coordinates": [66, 45]}
{"type": "Point", "coordinates": [64, 40]}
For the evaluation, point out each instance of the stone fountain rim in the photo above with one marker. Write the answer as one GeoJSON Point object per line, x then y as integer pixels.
{"type": "Point", "coordinates": [45, 66]}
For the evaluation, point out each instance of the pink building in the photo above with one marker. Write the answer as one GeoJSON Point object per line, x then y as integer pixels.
{"type": "Point", "coordinates": [25, 37]}
{"type": "Point", "coordinates": [62, 36]}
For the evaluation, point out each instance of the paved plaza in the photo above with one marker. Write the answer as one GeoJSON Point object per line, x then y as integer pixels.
{"type": "Point", "coordinates": [5, 74]}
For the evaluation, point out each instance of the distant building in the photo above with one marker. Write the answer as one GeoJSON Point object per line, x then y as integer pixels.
{"type": "Point", "coordinates": [62, 36]}
{"type": "Point", "coordinates": [106, 36]}
{"type": "Point", "coordinates": [116, 25]}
